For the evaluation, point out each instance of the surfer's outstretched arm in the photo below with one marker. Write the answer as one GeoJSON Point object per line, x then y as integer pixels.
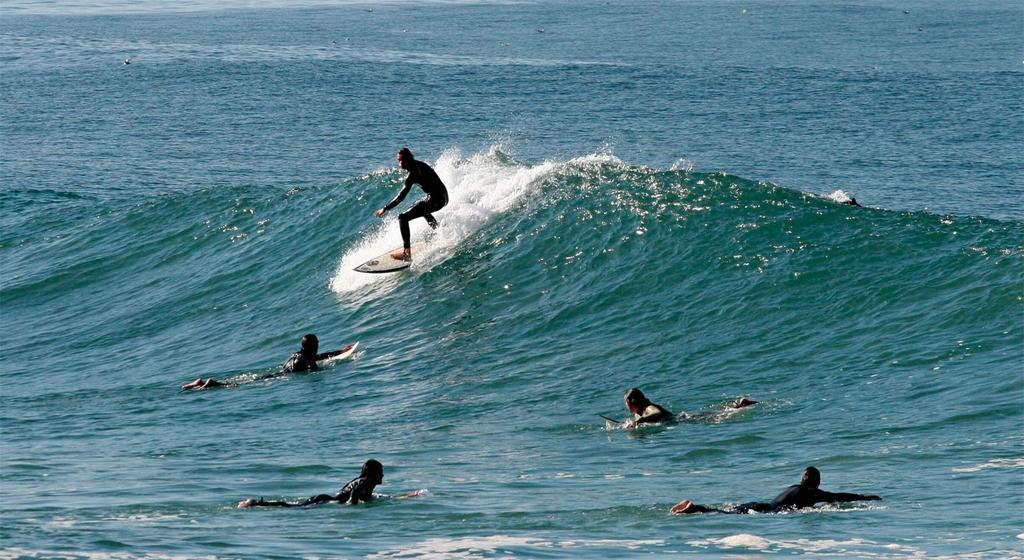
{"type": "Point", "coordinates": [253, 502]}
{"type": "Point", "coordinates": [832, 497]}
{"type": "Point", "coordinates": [686, 506]}
{"type": "Point", "coordinates": [318, 499]}
{"type": "Point", "coordinates": [327, 355]}
{"type": "Point", "coordinates": [201, 383]}
{"type": "Point", "coordinates": [397, 200]}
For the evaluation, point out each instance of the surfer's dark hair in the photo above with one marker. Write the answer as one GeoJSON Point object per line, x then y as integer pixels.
{"type": "Point", "coordinates": [635, 396]}
{"type": "Point", "coordinates": [372, 469]}
{"type": "Point", "coordinates": [812, 476]}
{"type": "Point", "coordinates": [405, 153]}
{"type": "Point", "coordinates": [310, 343]}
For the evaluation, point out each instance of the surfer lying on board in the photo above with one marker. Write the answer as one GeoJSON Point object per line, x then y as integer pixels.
{"type": "Point", "coordinates": [797, 496]}
{"type": "Point", "coordinates": [359, 489]}
{"type": "Point", "coordinates": [437, 197]}
{"type": "Point", "coordinates": [303, 360]}
{"type": "Point", "coordinates": [646, 412]}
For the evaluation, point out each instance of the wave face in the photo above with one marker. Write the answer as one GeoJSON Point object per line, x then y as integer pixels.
{"type": "Point", "coordinates": [877, 341]}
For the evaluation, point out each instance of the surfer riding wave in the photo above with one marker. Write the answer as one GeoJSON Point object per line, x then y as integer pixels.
{"type": "Point", "coordinates": [437, 198]}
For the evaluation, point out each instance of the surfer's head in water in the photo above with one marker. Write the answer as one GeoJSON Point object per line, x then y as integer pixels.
{"type": "Point", "coordinates": [636, 402]}
{"type": "Point", "coordinates": [811, 477]}
{"type": "Point", "coordinates": [310, 344]}
{"type": "Point", "coordinates": [373, 470]}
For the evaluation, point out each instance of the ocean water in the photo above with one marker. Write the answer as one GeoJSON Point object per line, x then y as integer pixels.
{"type": "Point", "coordinates": [642, 195]}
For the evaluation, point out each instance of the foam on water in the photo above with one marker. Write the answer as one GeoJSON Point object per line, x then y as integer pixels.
{"type": "Point", "coordinates": [480, 188]}
{"type": "Point", "coordinates": [487, 546]}
{"type": "Point", "coordinates": [1011, 463]}
{"type": "Point", "coordinates": [861, 547]}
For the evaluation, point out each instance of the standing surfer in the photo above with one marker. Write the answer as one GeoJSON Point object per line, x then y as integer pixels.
{"type": "Point", "coordinates": [437, 197]}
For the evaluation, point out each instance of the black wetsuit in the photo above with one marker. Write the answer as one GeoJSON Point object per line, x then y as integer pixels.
{"type": "Point", "coordinates": [437, 197]}
{"type": "Point", "coordinates": [299, 362]}
{"type": "Point", "coordinates": [358, 490]}
{"type": "Point", "coordinates": [795, 497]}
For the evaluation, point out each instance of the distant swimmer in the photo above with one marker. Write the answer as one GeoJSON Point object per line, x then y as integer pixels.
{"type": "Point", "coordinates": [437, 198]}
{"type": "Point", "coordinates": [797, 496]}
{"type": "Point", "coordinates": [127, 61]}
{"type": "Point", "coordinates": [303, 360]}
{"type": "Point", "coordinates": [359, 489]}
{"type": "Point", "coordinates": [646, 412]}
{"type": "Point", "coordinates": [853, 202]}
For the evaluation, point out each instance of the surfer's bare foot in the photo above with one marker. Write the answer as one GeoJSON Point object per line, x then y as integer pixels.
{"type": "Point", "coordinates": [685, 506]}
{"type": "Point", "coordinates": [192, 385]}
{"type": "Point", "coordinates": [247, 503]}
{"type": "Point", "coordinates": [405, 255]}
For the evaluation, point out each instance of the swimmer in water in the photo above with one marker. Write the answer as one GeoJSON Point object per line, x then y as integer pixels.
{"type": "Point", "coordinates": [797, 496]}
{"type": "Point", "coordinates": [358, 490]}
{"type": "Point", "coordinates": [303, 360]}
{"type": "Point", "coordinates": [646, 412]}
{"type": "Point", "coordinates": [437, 198]}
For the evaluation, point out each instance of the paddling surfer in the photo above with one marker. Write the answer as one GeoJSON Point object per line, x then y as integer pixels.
{"type": "Point", "coordinates": [797, 496]}
{"type": "Point", "coordinates": [303, 360]}
{"type": "Point", "coordinates": [437, 197]}
{"type": "Point", "coordinates": [359, 489]}
{"type": "Point", "coordinates": [646, 412]}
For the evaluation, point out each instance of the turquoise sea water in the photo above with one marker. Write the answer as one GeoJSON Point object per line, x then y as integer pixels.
{"type": "Point", "coordinates": [641, 195]}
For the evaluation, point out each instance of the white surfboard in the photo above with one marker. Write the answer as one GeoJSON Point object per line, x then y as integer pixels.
{"type": "Point", "coordinates": [346, 352]}
{"type": "Point", "coordinates": [385, 263]}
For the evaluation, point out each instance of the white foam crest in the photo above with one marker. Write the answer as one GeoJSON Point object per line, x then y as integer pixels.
{"type": "Point", "coordinates": [33, 51]}
{"type": "Point", "coordinates": [682, 164]}
{"type": "Point", "coordinates": [483, 547]}
{"type": "Point", "coordinates": [1015, 463]}
{"type": "Point", "coordinates": [479, 189]}
{"type": "Point", "coordinates": [840, 196]}
{"type": "Point", "coordinates": [859, 547]}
